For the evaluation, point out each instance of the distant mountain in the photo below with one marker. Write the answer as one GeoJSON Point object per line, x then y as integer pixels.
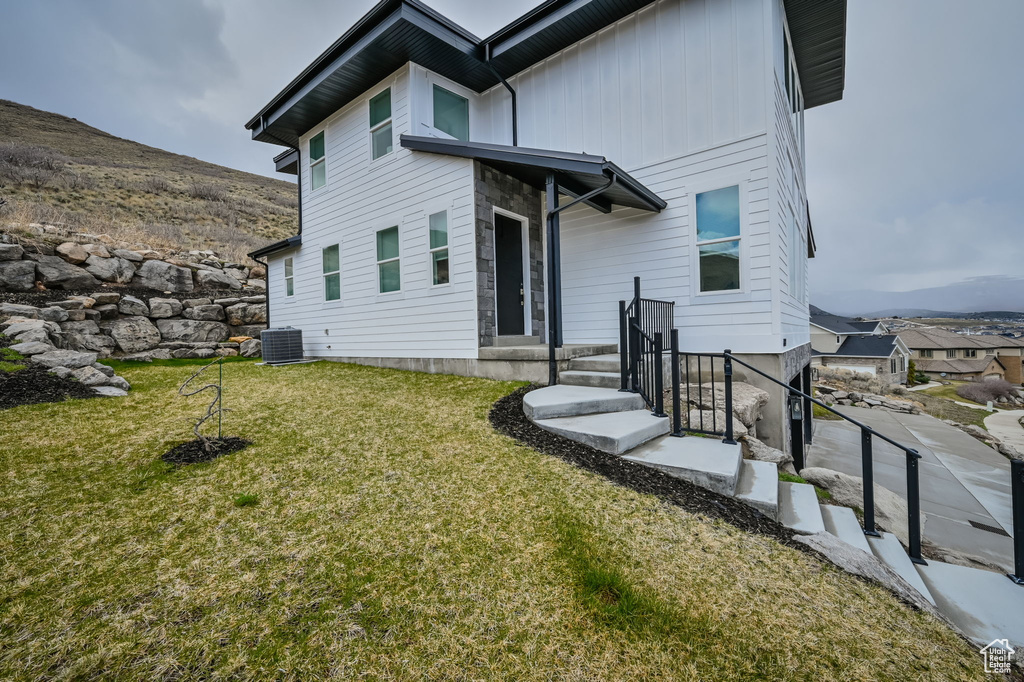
{"type": "Point", "coordinates": [990, 293]}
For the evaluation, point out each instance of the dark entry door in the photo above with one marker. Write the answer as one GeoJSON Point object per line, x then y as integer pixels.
{"type": "Point", "coordinates": [508, 275]}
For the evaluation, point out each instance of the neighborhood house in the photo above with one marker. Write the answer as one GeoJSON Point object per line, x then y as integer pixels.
{"type": "Point", "coordinates": [858, 346]}
{"type": "Point", "coordinates": [943, 354]}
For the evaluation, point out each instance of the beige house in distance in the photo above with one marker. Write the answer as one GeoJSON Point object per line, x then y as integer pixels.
{"type": "Point", "coordinates": [943, 354]}
{"type": "Point", "coordinates": [843, 343]}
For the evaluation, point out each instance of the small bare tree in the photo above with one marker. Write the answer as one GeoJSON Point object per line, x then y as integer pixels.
{"type": "Point", "coordinates": [214, 409]}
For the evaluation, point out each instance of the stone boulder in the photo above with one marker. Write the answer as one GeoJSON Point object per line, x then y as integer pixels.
{"type": "Point", "coordinates": [97, 249]}
{"type": "Point", "coordinates": [110, 391]}
{"type": "Point", "coordinates": [149, 355]}
{"type": "Point", "coordinates": [251, 348]}
{"type": "Point", "coordinates": [106, 297]}
{"type": "Point", "coordinates": [130, 305]}
{"type": "Point", "coordinates": [72, 252]}
{"type": "Point", "coordinates": [256, 284]}
{"type": "Point", "coordinates": [216, 279]}
{"type": "Point", "coordinates": [250, 330]}
{"type": "Point", "coordinates": [192, 330]}
{"type": "Point", "coordinates": [83, 327]}
{"type": "Point", "coordinates": [890, 509]}
{"type": "Point", "coordinates": [32, 348]}
{"type": "Point", "coordinates": [90, 376]}
{"type": "Point", "coordinates": [56, 273]}
{"type": "Point", "coordinates": [204, 312]}
{"type": "Point", "coordinates": [53, 314]}
{"type": "Point", "coordinates": [133, 334]}
{"type": "Point", "coordinates": [258, 272]}
{"type": "Point", "coordinates": [714, 421]}
{"type": "Point", "coordinates": [17, 325]}
{"type": "Point", "coordinates": [246, 313]}
{"type": "Point", "coordinates": [115, 269]}
{"type": "Point", "coordinates": [18, 275]}
{"type": "Point", "coordinates": [127, 254]}
{"type": "Point", "coordinates": [762, 452]}
{"type": "Point", "coordinates": [9, 252]}
{"type": "Point", "coordinates": [155, 274]}
{"type": "Point", "coordinates": [107, 311]}
{"type": "Point", "coordinates": [64, 358]}
{"type": "Point", "coordinates": [16, 309]}
{"type": "Point", "coordinates": [160, 308]}
{"type": "Point", "coordinates": [98, 343]}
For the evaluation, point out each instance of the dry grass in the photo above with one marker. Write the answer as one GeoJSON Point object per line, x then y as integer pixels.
{"type": "Point", "coordinates": [90, 181]}
{"type": "Point", "coordinates": [396, 536]}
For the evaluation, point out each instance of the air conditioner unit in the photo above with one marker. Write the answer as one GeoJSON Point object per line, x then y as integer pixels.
{"type": "Point", "coordinates": [281, 345]}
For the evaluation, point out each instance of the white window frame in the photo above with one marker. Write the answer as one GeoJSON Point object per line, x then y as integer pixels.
{"type": "Point", "coordinates": [970, 352]}
{"type": "Point", "coordinates": [318, 162]}
{"type": "Point", "coordinates": [388, 121]}
{"type": "Point", "coordinates": [455, 89]}
{"type": "Point", "coordinates": [289, 264]}
{"type": "Point", "coordinates": [447, 247]}
{"type": "Point", "coordinates": [527, 279]}
{"type": "Point", "coordinates": [743, 293]}
{"type": "Point", "coordinates": [377, 263]}
{"type": "Point", "coordinates": [324, 275]}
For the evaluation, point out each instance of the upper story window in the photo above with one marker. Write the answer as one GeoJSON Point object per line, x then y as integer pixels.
{"type": "Point", "coordinates": [380, 124]}
{"type": "Point", "coordinates": [950, 354]}
{"type": "Point", "coordinates": [451, 113]}
{"type": "Point", "coordinates": [389, 269]}
{"type": "Point", "coordinates": [317, 161]}
{"type": "Point", "coordinates": [797, 261]}
{"type": "Point", "coordinates": [438, 224]}
{"type": "Point", "coordinates": [970, 352]}
{"type": "Point", "coordinates": [718, 239]}
{"type": "Point", "coordinates": [332, 272]}
{"type": "Point", "coordinates": [289, 277]}
{"type": "Point", "coordinates": [927, 354]}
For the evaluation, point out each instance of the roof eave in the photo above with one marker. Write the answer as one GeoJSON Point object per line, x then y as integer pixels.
{"type": "Point", "coordinates": [289, 243]}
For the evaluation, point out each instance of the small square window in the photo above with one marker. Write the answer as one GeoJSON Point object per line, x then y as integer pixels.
{"type": "Point", "coordinates": [451, 113]}
{"type": "Point", "coordinates": [389, 269]}
{"type": "Point", "coordinates": [438, 223]}
{"type": "Point", "coordinates": [317, 162]}
{"type": "Point", "coordinates": [332, 273]}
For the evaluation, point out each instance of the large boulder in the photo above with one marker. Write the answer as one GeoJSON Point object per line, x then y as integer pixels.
{"type": "Point", "coordinates": [89, 376]}
{"type": "Point", "coordinates": [747, 400]}
{"type": "Point", "coordinates": [204, 312]}
{"type": "Point", "coordinates": [133, 334]}
{"type": "Point", "coordinates": [110, 269]}
{"type": "Point", "coordinates": [246, 313]}
{"type": "Point", "coordinates": [64, 358]}
{"type": "Point", "coordinates": [756, 450]}
{"type": "Point", "coordinates": [216, 279]}
{"type": "Point", "coordinates": [53, 314]}
{"type": "Point", "coordinates": [32, 348]}
{"type": "Point", "coordinates": [714, 420]}
{"type": "Point", "coordinates": [17, 275]}
{"type": "Point", "coordinates": [156, 274]}
{"type": "Point", "coordinates": [16, 325]}
{"type": "Point", "coordinates": [100, 344]}
{"type": "Point", "coordinates": [133, 256]}
{"type": "Point", "coordinates": [11, 252]}
{"type": "Point", "coordinates": [106, 297]}
{"type": "Point", "coordinates": [56, 273]}
{"type": "Point", "coordinates": [12, 309]}
{"type": "Point", "coordinates": [192, 330]}
{"type": "Point", "coordinates": [251, 349]}
{"type": "Point", "coordinates": [83, 327]}
{"type": "Point", "coordinates": [160, 308]}
{"type": "Point", "coordinates": [130, 305]}
{"type": "Point", "coordinates": [890, 509]}
{"type": "Point", "coordinates": [72, 252]}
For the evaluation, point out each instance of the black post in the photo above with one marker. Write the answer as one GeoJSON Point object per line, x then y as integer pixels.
{"type": "Point", "coordinates": [552, 311]}
{"type": "Point", "coordinates": [914, 507]}
{"type": "Point", "coordinates": [677, 415]}
{"type": "Point", "coordinates": [869, 483]}
{"type": "Point", "coordinates": [727, 370]}
{"type": "Point", "coordinates": [1017, 494]}
{"type": "Point", "coordinates": [623, 348]}
{"type": "Point", "coordinates": [659, 376]}
{"type": "Point", "coordinates": [634, 354]}
{"type": "Point", "coordinates": [808, 406]}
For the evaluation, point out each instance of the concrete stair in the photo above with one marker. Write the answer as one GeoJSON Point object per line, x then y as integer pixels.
{"type": "Point", "coordinates": [564, 400]}
{"type": "Point", "coordinates": [843, 523]}
{"type": "Point", "coordinates": [588, 378]}
{"type": "Point", "coordinates": [706, 462]}
{"type": "Point", "coordinates": [889, 550]}
{"type": "Point", "coordinates": [506, 341]}
{"type": "Point", "coordinates": [596, 363]}
{"type": "Point", "coordinates": [799, 508]}
{"type": "Point", "coordinates": [611, 432]}
{"type": "Point", "coordinates": [758, 486]}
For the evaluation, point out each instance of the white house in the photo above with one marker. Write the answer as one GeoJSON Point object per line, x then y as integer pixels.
{"type": "Point", "coordinates": [434, 168]}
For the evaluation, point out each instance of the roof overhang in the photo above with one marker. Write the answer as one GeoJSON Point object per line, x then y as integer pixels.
{"type": "Point", "coordinates": [287, 162]}
{"type": "Point", "coordinates": [818, 30]}
{"type": "Point", "coordinates": [576, 174]}
{"type": "Point", "coordinates": [289, 243]}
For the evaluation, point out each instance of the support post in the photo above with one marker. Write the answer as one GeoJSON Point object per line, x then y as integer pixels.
{"type": "Point", "coordinates": [552, 312]}
{"type": "Point", "coordinates": [659, 376]}
{"type": "Point", "coordinates": [677, 415]}
{"type": "Point", "coordinates": [727, 370]}
{"type": "Point", "coordinates": [1017, 495]}
{"type": "Point", "coordinates": [869, 483]}
{"type": "Point", "coordinates": [914, 507]}
{"type": "Point", "coordinates": [808, 406]}
{"type": "Point", "coordinates": [623, 348]}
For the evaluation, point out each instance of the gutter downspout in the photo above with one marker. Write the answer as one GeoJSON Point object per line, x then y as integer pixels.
{"type": "Point", "coordinates": [515, 114]}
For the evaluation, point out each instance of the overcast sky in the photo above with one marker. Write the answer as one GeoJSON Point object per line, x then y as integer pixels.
{"type": "Point", "coordinates": [915, 177]}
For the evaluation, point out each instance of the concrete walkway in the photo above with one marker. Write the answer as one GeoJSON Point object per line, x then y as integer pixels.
{"type": "Point", "coordinates": [1006, 427]}
{"type": "Point", "coordinates": [965, 485]}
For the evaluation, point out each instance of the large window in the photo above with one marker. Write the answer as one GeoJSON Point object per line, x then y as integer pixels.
{"type": "Point", "coordinates": [439, 247]}
{"type": "Point", "coordinates": [289, 277]}
{"type": "Point", "coordinates": [332, 273]}
{"type": "Point", "coordinates": [970, 352]}
{"type": "Point", "coordinates": [797, 262]}
{"type": "Point", "coordinates": [317, 162]}
{"type": "Point", "coordinates": [380, 124]}
{"type": "Point", "coordinates": [718, 239]}
{"type": "Point", "coordinates": [927, 354]}
{"type": "Point", "coordinates": [950, 354]}
{"type": "Point", "coordinates": [389, 269]}
{"type": "Point", "coordinates": [451, 113]}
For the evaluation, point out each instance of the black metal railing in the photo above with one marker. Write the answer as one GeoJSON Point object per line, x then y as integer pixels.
{"type": "Point", "coordinates": [867, 468]}
{"type": "Point", "coordinates": [702, 394]}
{"type": "Point", "coordinates": [644, 324]}
{"type": "Point", "coordinates": [1017, 495]}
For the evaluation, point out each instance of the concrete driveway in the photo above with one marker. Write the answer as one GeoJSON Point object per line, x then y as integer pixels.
{"type": "Point", "coordinates": [1005, 425]}
{"type": "Point", "coordinates": [965, 485]}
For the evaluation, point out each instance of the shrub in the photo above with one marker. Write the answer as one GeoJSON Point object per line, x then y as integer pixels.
{"type": "Point", "coordinates": [207, 191]}
{"type": "Point", "coordinates": [911, 373]}
{"type": "Point", "coordinates": [154, 184]}
{"type": "Point", "coordinates": [983, 391]}
{"type": "Point", "coordinates": [30, 164]}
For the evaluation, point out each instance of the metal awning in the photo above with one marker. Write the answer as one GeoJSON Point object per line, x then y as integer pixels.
{"type": "Point", "coordinates": [576, 174]}
{"type": "Point", "coordinates": [287, 162]}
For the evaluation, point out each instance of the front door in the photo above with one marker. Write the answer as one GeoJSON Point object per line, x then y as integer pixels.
{"type": "Point", "coordinates": [510, 294]}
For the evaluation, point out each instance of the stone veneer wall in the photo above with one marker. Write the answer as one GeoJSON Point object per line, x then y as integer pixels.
{"type": "Point", "coordinates": [494, 189]}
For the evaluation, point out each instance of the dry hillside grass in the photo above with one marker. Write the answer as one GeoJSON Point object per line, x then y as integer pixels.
{"type": "Point", "coordinates": [57, 170]}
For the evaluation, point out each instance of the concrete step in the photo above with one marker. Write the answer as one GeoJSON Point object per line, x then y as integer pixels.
{"type": "Point", "coordinates": [597, 363]}
{"type": "Point", "coordinates": [799, 508]}
{"type": "Point", "coordinates": [707, 462]}
{"type": "Point", "coordinates": [889, 550]}
{"type": "Point", "coordinates": [758, 486]}
{"type": "Point", "coordinates": [983, 604]}
{"type": "Point", "coordinates": [539, 353]}
{"type": "Point", "coordinates": [611, 432]}
{"type": "Point", "coordinates": [843, 523]}
{"type": "Point", "coordinates": [570, 401]}
{"type": "Point", "coordinates": [505, 341]}
{"type": "Point", "coordinates": [595, 379]}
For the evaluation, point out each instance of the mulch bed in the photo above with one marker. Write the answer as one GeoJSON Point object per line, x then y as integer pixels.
{"type": "Point", "coordinates": [508, 418]}
{"type": "Point", "coordinates": [194, 452]}
{"type": "Point", "coordinates": [34, 385]}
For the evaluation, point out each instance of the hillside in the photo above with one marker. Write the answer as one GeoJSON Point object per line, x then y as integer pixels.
{"type": "Point", "coordinates": [55, 169]}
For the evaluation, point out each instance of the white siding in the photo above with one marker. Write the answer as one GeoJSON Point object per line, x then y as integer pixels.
{"type": "Point", "coordinates": [362, 196]}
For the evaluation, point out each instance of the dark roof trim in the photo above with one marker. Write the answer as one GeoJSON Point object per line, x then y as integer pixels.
{"type": "Point", "coordinates": [289, 243]}
{"type": "Point", "coordinates": [575, 166]}
{"type": "Point", "coordinates": [812, 246]}
{"type": "Point", "coordinates": [818, 30]}
{"type": "Point", "coordinates": [287, 162]}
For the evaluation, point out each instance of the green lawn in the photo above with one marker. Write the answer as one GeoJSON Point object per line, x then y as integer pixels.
{"type": "Point", "coordinates": [379, 528]}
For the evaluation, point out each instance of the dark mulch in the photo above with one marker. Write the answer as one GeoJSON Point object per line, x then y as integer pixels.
{"type": "Point", "coordinates": [34, 385]}
{"type": "Point", "coordinates": [194, 452]}
{"type": "Point", "coordinates": [508, 418]}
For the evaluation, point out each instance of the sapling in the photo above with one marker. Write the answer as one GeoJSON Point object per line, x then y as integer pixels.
{"type": "Point", "coordinates": [214, 409]}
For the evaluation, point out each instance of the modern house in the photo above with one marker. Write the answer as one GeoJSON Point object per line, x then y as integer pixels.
{"type": "Point", "coordinates": [858, 346]}
{"type": "Point", "coordinates": [464, 201]}
{"type": "Point", "coordinates": [942, 354]}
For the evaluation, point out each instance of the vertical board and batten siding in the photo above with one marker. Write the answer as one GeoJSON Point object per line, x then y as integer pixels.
{"type": "Point", "coordinates": [362, 196]}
